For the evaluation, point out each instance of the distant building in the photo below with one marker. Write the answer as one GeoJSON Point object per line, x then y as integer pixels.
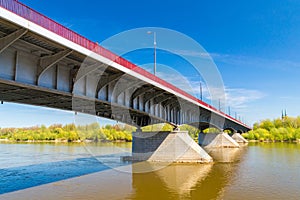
{"type": "Point", "coordinates": [283, 115]}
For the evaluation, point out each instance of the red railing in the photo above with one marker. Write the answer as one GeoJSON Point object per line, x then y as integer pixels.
{"type": "Point", "coordinates": [51, 25]}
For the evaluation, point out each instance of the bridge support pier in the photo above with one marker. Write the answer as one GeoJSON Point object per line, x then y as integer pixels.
{"type": "Point", "coordinates": [239, 138]}
{"type": "Point", "coordinates": [217, 140]}
{"type": "Point", "coordinates": [175, 146]}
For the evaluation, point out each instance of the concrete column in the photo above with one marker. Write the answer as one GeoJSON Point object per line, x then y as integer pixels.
{"type": "Point", "coordinates": [175, 146]}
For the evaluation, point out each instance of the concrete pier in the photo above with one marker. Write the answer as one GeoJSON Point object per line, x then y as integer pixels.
{"type": "Point", "coordinates": [217, 140]}
{"type": "Point", "coordinates": [176, 146]}
{"type": "Point", "coordinates": [239, 138]}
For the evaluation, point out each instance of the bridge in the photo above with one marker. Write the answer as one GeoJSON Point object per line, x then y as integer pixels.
{"type": "Point", "coordinates": [43, 63]}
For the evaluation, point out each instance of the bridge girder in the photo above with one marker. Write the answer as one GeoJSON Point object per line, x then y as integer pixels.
{"type": "Point", "coordinates": [140, 91]}
{"type": "Point", "coordinates": [151, 95]}
{"type": "Point", "coordinates": [48, 61]}
{"type": "Point", "coordinates": [85, 70]}
{"type": "Point", "coordinates": [158, 100]}
{"type": "Point", "coordinates": [105, 80]}
{"type": "Point", "coordinates": [123, 86]}
{"type": "Point", "coordinates": [8, 40]}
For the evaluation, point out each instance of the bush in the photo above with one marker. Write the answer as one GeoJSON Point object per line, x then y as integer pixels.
{"type": "Point", "coordinates": [286, 129]}
{"type": "Point", "coordinates": [68, 132]}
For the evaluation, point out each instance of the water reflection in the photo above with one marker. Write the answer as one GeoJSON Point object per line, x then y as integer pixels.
{"type": "Point", "coordinates": [226, 155]}
{"type": "Point", "coordinates": [187, 181]}
{"type": "Point", "coordinates": [182, 178]}
{"type": "Point", "coordinates": [177, 179]}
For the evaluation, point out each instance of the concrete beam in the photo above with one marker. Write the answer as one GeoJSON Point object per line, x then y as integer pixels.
{"type": "Point", "coordinates": [138, 92]}
{"type": "Point", "coordinates": [48, 61]}
{"type": "Point", "coordinates": [158, 100]}
{"type": "Point", "coordinates": [152, 95]}
{"type": "Point", "coordinates": [105, 80]}
{"type": "Point", "coordinates": [73, 73]}
{"type": "Point", "coordinates": [121, 87]}
{"type": "Point", "coordinates": [86, 70]}
{"type": "Point", "coordinates": [8, 40]}
{"type": "Point", "coordinates": [172, 102]}
{"type": "Point", "coordinates": [141, 90]}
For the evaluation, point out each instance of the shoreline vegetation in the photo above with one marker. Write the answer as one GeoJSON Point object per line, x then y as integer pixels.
{"type": "Point", "coordinates": [285, 129]}
{"type": "Point", "coordinates": [77, 134]}
{"type": "Point", "coordinates": [68, 133]}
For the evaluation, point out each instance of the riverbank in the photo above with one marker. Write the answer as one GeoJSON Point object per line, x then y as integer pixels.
{"type": "Point", "coordinates": [270, 141]}
{"type": "Point", "coordinates": [62, 141]}
{"type": "Point", "coordinates": [117, 141]}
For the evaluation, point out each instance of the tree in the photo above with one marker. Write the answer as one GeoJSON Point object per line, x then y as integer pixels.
{"type": "Point", "coordinates": [267, 124]}
{"type": "Point", "coordinates": [193, 132]}
{"type": "Point", "coordinates": [211, 130]}
{"type": "Point", "coordinates": [277, 123]}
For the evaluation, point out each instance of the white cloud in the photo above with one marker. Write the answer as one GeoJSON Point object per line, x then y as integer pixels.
{"type": "Point", "coordinates": [239, 98]}
{"type": "Point", "coordinates": [239, 60]}
{"type": "Point", "coordinates": [192, 53]}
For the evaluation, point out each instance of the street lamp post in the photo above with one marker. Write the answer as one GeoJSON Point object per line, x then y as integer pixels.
{"type": "Point", "coordinates": [201, 96]}
{"type": "Point", "coordinates": [154, 43]}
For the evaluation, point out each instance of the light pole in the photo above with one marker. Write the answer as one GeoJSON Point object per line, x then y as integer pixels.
{"type": "Point", "coordinates": [201, 96]}
{"type": "Point", "coordinates": [154, 43]}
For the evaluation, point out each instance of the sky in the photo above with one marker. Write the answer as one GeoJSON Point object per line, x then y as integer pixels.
{"type": "Point", "coordinates": [254, 44]}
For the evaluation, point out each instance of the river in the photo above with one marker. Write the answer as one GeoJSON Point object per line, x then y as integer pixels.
{"type": "Point", "coordinates": [95, 171]}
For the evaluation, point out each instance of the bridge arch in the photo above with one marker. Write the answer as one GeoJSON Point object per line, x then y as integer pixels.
{"type": "Point", "coordinates": [204, 125]}
{"type": "Point", "coordinates": [232, 130]}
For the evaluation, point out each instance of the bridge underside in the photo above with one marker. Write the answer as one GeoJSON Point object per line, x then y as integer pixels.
{"type": "Point", "coordinates": [26, 94]}
{"type": "Point", "coordinates": [38, 71]}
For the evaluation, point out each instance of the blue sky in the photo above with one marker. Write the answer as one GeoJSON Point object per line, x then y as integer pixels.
{"type": "Point", "coordinates": [255, 45]}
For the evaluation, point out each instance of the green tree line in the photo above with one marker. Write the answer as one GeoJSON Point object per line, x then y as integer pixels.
{"type": "Point", "coordinates": [285, 129]}
{"type": "Point", "coordinates": [69, 133]}
{"type": "Point", "coordinates": [193, 132]}
{"type": "Point", "coordinates": [91, 132]}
